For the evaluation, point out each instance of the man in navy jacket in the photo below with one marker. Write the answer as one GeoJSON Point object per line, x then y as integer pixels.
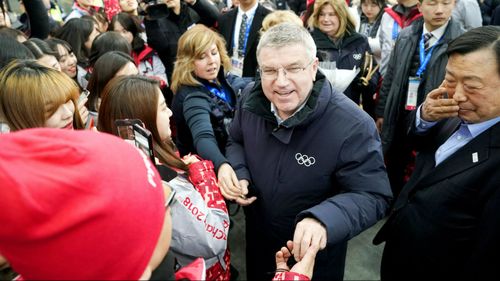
{"type": "Point", "coordinates": [311, 157]}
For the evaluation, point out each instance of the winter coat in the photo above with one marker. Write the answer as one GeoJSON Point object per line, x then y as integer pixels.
{"type": "Point", "coordinates": [150, 65]}
{"type": "Point", "coordinates": [374, 33]}
{"type": "Point", "coordinates": [349, 53]}
{"type": "Point", "coordinates": [323, 162]}
{"type": "Point", "coordinates": [388, 34]}
{"type": "Point", "coordinates": [164, 27]}
{"type": "Point", "coordinates": [201, 119]}
{"type": "Point", "coordinates": [395, 86]}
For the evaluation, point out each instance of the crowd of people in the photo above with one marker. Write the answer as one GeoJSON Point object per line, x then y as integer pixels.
{"type": "Point", "coordinates": [129, 128]}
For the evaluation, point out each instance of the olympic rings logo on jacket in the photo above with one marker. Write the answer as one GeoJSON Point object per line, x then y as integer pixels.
{"type": "Point", "coordinates": [303, 159]}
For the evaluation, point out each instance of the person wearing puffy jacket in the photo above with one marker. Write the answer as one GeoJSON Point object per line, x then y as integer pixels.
{"type": "Point", "coordinates": [337, 41]}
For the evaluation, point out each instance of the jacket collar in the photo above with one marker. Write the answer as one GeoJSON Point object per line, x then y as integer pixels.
{"type": "Point", "coordinates": [324, 42]}
{"type": "Point", "coordinates": [145, 53]}
{"type": "Point", "coordinates": [403, 21]}
{"type": "Point", "coordinates": [452, 31]}
{"type": "Point", "coordinates": [463, 159]}
{"type": "Point", "coordinates": [257, 103]}
{"type": "Point", "coordinates": [457, 163]}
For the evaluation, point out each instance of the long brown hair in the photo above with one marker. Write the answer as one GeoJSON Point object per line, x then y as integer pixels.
{"type": "Point", "coordinates": [136, 97]}
{"type": "Point", "coordinates": [192, 44]}
{"type": "Point", "coordinates": [31, 93]}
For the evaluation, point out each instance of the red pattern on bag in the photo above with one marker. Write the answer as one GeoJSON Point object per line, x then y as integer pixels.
{"type": "Point", "coordinates": [193, 271]}
{"type": "Point", "coordinates": [286, 275]}
{"type": "Point", "coordinates": [202, 176]}
{"type": "Point", "coordinates": [217, 273]}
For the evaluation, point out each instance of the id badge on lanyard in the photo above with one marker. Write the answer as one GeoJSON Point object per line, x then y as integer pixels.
{"type": "Point", "coordinates": [237, 64]}
{"type": "Point", "coordinates": [238, 56]}
{"type": "Point", "coordinates": [412, 94]}
{"type": "Point", "coordinates": [414, 82]}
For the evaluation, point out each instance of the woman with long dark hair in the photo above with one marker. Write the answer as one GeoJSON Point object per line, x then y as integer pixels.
{"type": "Point", "coordinates": [80, 34]}
{"type": "Point", "coordinates": [44, 55]}
{"type": "Point", "coordinates": [108, 66]}
{"type": "Point", "coordinates": [145, 58]}
{"type": "Point", "coordinates": [371, 12]}
{"type": "Point", "coordinates": [200, 205]}
{"type": "Point", "coordinates": [65, 56]}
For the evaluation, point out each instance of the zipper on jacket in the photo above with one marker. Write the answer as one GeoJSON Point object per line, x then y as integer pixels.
{"type": "Point", "coordinates": [277, 128]}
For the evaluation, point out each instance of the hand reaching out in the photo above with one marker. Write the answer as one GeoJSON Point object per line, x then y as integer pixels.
{"type": "Point", "coordinates": [189, 159]}
{"type": "Point", "coordinates": [242, 199]}
{"type": "Point", "coordinates": [304, 267]}
{"type": "Point", "coordinates": [309, 232]}
{"type": "Point", "coordinates": [231, 188]}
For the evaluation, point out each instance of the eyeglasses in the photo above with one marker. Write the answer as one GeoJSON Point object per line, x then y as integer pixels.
{"type": "Point", "coordinates": [169, 195]}
{"type": "Point", "coordinates": [290, 72]}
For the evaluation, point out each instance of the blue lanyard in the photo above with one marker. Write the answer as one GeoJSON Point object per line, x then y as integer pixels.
{"type": "Point", "coordinates": [247, 32]}
{"type": "Point", "coordinates": [395, 30]}
{"type": "Point", "coordinates": [424, 59]}
{"type": "Point", "coordinates": [221, 93]}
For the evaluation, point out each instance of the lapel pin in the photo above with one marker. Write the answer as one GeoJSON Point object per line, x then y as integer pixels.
{"type": "Point", "coordinates": [475, 157]}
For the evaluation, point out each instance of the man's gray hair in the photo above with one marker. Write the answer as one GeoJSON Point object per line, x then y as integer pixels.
{"type": "Point", "coordinates": [287, 34]}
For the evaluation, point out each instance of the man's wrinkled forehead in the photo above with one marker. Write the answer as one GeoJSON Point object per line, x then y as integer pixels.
{"type": "Point", "coordinates": [300, 54]}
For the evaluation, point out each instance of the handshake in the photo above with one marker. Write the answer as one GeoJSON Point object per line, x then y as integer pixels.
{"type": "Point", "coordinates": [302, 270]}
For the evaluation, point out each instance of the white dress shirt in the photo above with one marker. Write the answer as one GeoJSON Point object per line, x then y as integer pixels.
{"type": "Point", "coordinates": [250, 15]}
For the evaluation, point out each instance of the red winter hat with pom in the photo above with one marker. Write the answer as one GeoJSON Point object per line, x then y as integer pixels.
{"type": "Point", "coordinates": [77, 205]}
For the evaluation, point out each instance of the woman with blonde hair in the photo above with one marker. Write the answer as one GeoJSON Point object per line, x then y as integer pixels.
{"type": "Point", "coordinates": [204, 102]}
{"type": "Point", "coordinates": [33, 96]}
{"type": "Point", "coordinates": [334, 32]}
{"type": "Point", "coordinates": [277, 17]}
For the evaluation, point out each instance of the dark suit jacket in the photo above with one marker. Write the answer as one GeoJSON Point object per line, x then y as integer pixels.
{"type": "Point", "coordinates": [226, 28]}
{"type": "Point", "coordinates": [445, 224]}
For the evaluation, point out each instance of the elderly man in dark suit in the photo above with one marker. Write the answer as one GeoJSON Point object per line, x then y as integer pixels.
{"type": "Point", "coordinates": [240, 27]}
{"type": "Point", "coordinates": [445, 225]}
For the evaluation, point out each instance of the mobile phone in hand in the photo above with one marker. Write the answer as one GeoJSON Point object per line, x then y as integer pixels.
{"type": "Point", "coordinates": [125, 130]}
{"type": "Point", "coordinates": [133, 132]}
{"type": "Point", "coordinates": [144, 141]}
{"type": "Point", "coordinates": [84, 94]}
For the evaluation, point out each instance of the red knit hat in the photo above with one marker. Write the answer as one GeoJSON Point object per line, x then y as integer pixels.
{"type": "Point", "coordinates": [77, 205]}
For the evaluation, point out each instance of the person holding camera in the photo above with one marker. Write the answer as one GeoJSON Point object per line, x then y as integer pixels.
{"type": "Point", "coordinates": [167, 20]}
